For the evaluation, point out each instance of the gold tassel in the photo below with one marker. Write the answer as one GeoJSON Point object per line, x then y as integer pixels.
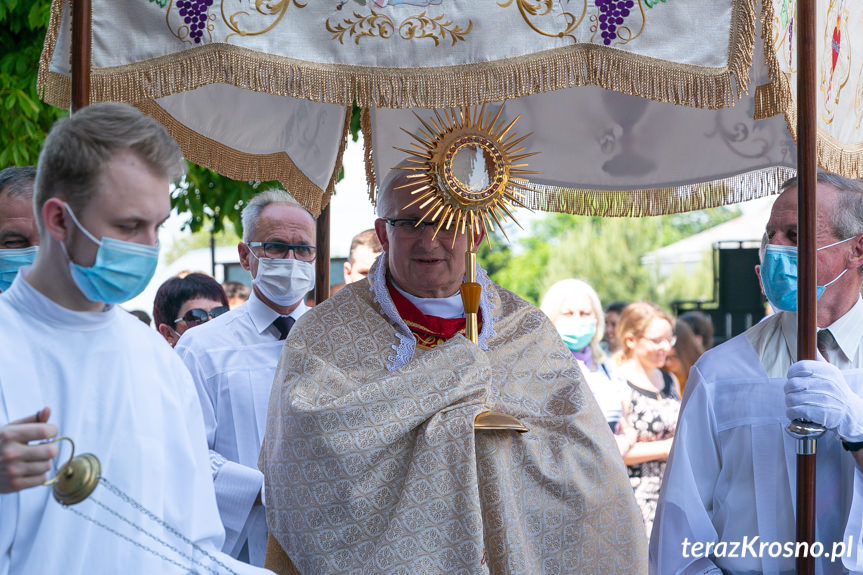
{"type": "Point", "coordinates": [369, 154]}
{"type": "Point", "coordinates": [658, 201]}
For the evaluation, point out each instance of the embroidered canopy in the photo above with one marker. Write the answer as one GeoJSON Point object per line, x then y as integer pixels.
{"type": "Point", "coordinates": [259, 89]}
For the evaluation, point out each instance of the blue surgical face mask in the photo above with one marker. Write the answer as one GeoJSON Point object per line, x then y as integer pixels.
{"type": "Point", "coordinates": [576, 333]}
{"type": "Point", "coordinates": [11, 261]}
{"type": "Point", "coordinates": [121, 271]}
{"type": "Point", "coordinates": [779, 275]}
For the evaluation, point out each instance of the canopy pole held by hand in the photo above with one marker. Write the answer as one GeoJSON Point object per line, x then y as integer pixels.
{"type": "Point", "coordinates": [807, 165]}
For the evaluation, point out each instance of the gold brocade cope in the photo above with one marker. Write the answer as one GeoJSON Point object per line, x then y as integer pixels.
{"type": "Point", "coordinates": [377, 470]}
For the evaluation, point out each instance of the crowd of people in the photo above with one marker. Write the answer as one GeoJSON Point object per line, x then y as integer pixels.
{"type": "Point", "coordinates": [256, 432]}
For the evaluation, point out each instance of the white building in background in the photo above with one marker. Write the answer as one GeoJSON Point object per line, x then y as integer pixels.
{"type": "Point", "coordinates": [690, 252]}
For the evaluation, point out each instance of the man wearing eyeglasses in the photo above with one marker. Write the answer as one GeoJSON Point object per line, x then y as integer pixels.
{"type": "Point", "coordinates": [730, 476]}
{"type": "Point", "coordinates": [371, 452]}
{"type": "Point", "coordinates": [233, 359]}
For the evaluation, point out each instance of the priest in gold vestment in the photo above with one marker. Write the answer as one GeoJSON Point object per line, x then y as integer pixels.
{"type": "Point", "coordinates": [371, 460]}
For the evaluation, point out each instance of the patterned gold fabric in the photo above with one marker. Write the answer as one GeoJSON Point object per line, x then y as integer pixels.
{"type": "Point", "coordinates": [372, 470]}
{"type": "Point", "coordinates": [838, 47]}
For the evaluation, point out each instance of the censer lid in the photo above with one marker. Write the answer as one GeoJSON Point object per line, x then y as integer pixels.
{"type": "Point", "coordinates": [77, 479]}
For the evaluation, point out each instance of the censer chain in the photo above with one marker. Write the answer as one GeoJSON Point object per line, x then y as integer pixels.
{"type": "Point", "coordinates": [143, 510]}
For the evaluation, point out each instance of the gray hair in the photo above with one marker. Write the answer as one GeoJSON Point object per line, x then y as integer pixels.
{"type": "Point", "coordinates": [18, 181]}
{"type": "Point", "coordinates": [261, 200]}
{"type": "Point", "coordinates": [847, 217]}
{"type": "Point", "coordinates": [763, 248]}
{"type": "Point", "coordinates": [79, 148]}
{"type": "Point", "coordinates": [561, 292]}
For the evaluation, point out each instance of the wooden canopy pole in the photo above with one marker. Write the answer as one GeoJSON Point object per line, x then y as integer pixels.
{"type": "Point", "coordinates": [807, 165]}
{"type": "Point", "coordinates": [81, 52]}
{"type": "Point", "coordinates": [322, 263]}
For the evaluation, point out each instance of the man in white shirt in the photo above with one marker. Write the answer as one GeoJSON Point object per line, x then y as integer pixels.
{"type": "Point", "coordinates": [233, 359]}
{"type": "Point", "coordinates": [113, 385]}
{"type": "Point", "coordinates": [731, 475]}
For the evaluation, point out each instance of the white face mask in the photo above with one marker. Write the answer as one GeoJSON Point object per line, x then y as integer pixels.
{"type": "Point", "coordinates": [283, 281]}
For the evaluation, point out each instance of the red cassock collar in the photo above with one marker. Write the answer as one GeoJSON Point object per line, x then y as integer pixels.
{"type": "Point", "coordinates": [428, 330]}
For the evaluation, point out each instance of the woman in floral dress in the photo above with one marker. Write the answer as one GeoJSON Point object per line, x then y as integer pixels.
{"type": "Point", "coordinates": [646, 334]}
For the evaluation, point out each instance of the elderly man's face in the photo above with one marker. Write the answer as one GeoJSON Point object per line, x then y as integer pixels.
{"type": "Point", "coordinates": [280, 223]}
{"type": "Point", "coordinates": [420, 265]}
{"type": "Point", "coordinates": [782, 230]}
{"type": "Point", "coordinates": [17, 225]}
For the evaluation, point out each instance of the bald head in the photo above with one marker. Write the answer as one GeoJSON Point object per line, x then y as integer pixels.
{"type": "Point", "coordinates": [391, 200]}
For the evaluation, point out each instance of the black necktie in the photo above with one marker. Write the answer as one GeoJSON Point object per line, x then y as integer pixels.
{"type": "Point", "coordinates": [284, 325]}
{"type": "Point", "coordinates": [825, 342]}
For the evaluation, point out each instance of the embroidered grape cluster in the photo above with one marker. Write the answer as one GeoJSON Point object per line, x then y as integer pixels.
{"type": "Point", "coordinates": [194, 13]}
{"type": "Point", "coordinates": [611, 15]}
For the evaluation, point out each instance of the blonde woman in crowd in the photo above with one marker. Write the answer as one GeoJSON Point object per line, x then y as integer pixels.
{"type": "Point", "coordinates": [646, 335]}
{"type": "Point", "coordinates": [575, 310]}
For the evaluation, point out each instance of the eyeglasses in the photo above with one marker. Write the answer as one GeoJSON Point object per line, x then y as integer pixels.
{"type": "Point", "coordinates": [414, 227]}
{"type": "Point", "coordinates": [197, 316]}
{"type": "Point", "coordinates": [279, 251]}
{"type": "Point", "coordinates": [660, 340]}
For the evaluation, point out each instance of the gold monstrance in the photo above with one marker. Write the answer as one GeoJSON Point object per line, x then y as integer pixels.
{"type": "Point", "coordinates": [465, 176]}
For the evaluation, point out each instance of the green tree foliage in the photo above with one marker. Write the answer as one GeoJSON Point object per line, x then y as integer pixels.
{"type": "Point", "coordinates": [24, 119]}
{"type": "Point", "coordinates": [211, 201]}
{"type": "Point", "coordinates": [605, 252]}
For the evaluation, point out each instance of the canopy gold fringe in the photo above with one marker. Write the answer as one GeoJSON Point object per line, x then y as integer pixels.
{"type": "Point", "coordinates": [50, 86]}
{"type": "Point", "coordinates": [776, 97]}
{"type": "Point", "coordinates": [658, 201]}
{"type": "Point", "coordinates": [833, 155]}
{"type": "Point", "coordinates": [368, 153]}
{"type": "Point", "coordinates": [250, 167]}
{"type": "Point", "coordinates": [769, 101]}
{"type": "Point", "coordinates": [627, 203]}
{"type": "Point", "coordinates": [442, 87]}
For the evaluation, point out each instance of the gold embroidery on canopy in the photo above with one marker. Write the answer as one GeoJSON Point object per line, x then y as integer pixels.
{"type": "Point", "coordinates": [427, 87]}
{"type": "Point", "coordinates": [422, 26]}
{"type": "Point", "coordinates": [836, 45]}
{"type": "Point", "coordinates": [858, 98]}
{"type": "Point", "coordinates": [374, 25]}
{"type": "Point", "coordinates": [265, 7]}
{"type": "Point", "coordinates": [532, 9]}
{"type": "Point", "coordinates": [377, 25]}
{"type": "Point", "coordinates": [833, 155]}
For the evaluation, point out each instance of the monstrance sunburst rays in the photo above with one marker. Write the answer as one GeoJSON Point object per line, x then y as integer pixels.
{"type": "Point", "coordinates": [436, 178]}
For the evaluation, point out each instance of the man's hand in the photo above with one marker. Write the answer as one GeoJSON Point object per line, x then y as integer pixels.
{"type": "Point", "coordinates": [23, 465]}
{"type": "Point", "coordinates": [816, 391]}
